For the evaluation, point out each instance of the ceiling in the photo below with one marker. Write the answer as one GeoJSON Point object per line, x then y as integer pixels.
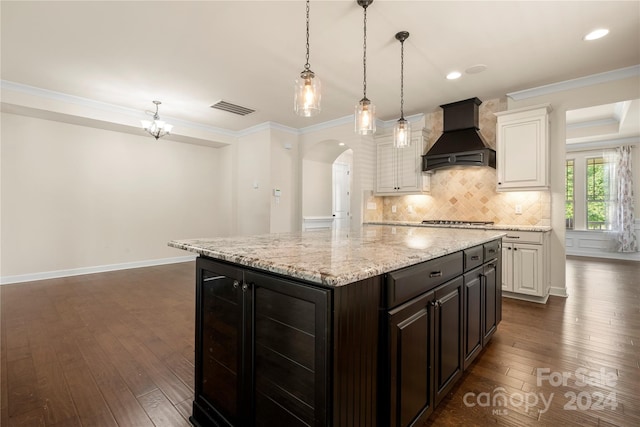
{"type": "Point", "coordinates": [614, 121]}
{"type": "Point", "coordinates": [191, 54]}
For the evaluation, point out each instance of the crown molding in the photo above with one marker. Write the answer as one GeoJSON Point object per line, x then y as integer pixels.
{"type": "Point", "coordinates": [607, 76]}
{"type": "Point", "coordinates": [103, 106]}
{"type": "Point", "coordinates": [602, 143]}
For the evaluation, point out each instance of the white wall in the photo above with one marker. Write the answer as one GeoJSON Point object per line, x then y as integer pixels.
{"type": "Point", "coordinates": [285, 213]}
{"type": "Point", "coordinates": [317, 181]}
{"type": "Point", "coordinates": [76, 197]}
{"type": "Point", "coordinates": [253, 183]}
{"type": "Point", "coordinates": [603, 93]}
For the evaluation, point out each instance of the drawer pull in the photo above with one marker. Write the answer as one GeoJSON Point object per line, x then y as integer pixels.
{"type": "Point", "coordinates": [512, 237]}
{"type": "Point", "coordinates": [491, 251]}
{"type": "Point", "coordinates": [236, 284]}
{"type": "Point", "coordinates": [435, 274]}
{"type": "Point", "coordinates": [475, 257]}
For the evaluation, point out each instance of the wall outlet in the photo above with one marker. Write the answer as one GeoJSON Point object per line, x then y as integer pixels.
{"type": "Point", "coordinates": [371, 206]}
{"type": "Point", "coordinates": [410, 209]}
{"type": "Point", "coordinates": [518, 209]}
{"type": "Point", "coordinates": [393, 209]}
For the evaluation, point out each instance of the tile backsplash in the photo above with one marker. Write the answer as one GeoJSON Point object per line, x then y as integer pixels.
{"type": "Point", "coordinates": [465, 193]}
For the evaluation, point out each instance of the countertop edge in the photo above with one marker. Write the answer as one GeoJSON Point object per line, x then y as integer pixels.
{"type": "Point", "coordinates": [320, 277]}
{"type": "Point", "coordinates": [497, 227]}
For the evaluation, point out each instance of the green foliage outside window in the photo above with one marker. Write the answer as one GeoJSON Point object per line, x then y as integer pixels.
{"type": "Point", "coordinates": [598, 195]}
{"type": "Point", "coordinates": [569, 198]}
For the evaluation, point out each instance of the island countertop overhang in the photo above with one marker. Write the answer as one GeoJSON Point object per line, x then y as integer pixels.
{"type": "Point", "coordinates": [338, 257]}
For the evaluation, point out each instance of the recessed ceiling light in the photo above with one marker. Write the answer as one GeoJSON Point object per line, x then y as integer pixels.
{"type": "Point", "coordinates": [596, 34]}
{"type": "Point", "coordinates": [454, 75]}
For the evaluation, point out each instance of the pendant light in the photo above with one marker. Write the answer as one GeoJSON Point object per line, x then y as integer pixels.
{"type": "Point", "coordinates": [156, 128]}
{"type": "Point", "coordinates": [402, 128]}
{"type": "Point", "coordinates": [365, 110]}
{"type": "Point", "coordinates": [307, 91]}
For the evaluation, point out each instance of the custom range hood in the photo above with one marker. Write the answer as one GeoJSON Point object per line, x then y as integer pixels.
{"type": "Point", "coordinates": [461, 144]}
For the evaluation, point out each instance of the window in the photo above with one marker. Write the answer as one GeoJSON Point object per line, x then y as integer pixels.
{"type": "Point", "coordinates": [598, 193]}
{"type": "Point", "coordinates": [569, 196]}
{"type": "Point", "coordinates": [589, 192]}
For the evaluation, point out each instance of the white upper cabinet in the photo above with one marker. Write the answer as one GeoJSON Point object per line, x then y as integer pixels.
{"type": "Point", "coordinates": [399, 170]}
{"type": "Point", "coordinates": [522, 149]}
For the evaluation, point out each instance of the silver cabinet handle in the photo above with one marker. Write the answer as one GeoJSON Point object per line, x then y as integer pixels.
{"type": "Point", "coordinates": [511, 237]}
{"type": "Point", "coordinates": [245, 287]}
{"type": "Point", "coordinates": [475, 257]}
{"type": "Point", "coordinates": [236, 284]}
{"type": "Point", "coordinates": [435, 274]}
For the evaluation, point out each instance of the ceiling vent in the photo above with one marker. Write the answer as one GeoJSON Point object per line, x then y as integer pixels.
{"type": "Point", "coordinates": [232, 108]}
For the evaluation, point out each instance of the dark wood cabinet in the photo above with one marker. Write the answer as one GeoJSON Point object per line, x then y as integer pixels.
{"type": "Point", "coordinates": [482, 302]}
{"type": "Point", "coordinates": [411, 340]}
{"type": "Point", "coordinates": [383, 351]}
{"type": "Point", "coordinates": [261, 349]}
{"type": "Point", "coordinates": [448, 335]}
{"type": "Point", "coordinates": [472, 315]}
{"type": "Point", "coordinates": [425, 341]}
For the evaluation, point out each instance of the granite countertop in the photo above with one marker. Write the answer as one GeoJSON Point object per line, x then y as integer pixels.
{"type": "Point", "coordinates": [336, 257]}
{"type": "Point", "coordinates": [505, 227]}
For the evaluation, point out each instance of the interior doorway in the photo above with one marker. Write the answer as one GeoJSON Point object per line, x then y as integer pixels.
{"type": "Point", "coordinates": [320, 202]}
{"type": "Point", "coordinates": [341, 205]}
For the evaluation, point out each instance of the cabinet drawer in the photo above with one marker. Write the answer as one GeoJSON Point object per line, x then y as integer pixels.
{"type": "Point", "coordinates": [412, 281]}
{"type": "Point", "coordinates": [491, 250]}
{"type": "Point", "coordinates": [534, 237]}
{"type": "Point", "coordinates": [472, 257]}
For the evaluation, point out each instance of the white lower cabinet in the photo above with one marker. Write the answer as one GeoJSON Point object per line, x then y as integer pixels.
{"type": "Point", "coordinates": [525, 265]}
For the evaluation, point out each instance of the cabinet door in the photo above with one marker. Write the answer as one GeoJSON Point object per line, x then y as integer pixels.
{"type": "Point", "coordinates": [507, 267]}
{"type": "Point", "coordinates": [527, 269]}
{"type": "Point", "coordinates": [290, 351]}
{"type": "Point", "coordinates": [491, 304]}
{"type": "Point", "coordinates": [410, 356]}
{"type": "Point", "coordinates": [410, 167]}
{"type": "Point", "coordinates": [448, 357]}
{"type": "Point", "coordinates": [473, 315]}
{"type": "Point", "coordinates": [522, 140]}
{"type": "Point", "coordinates": [386, 175]}
{"type": "Point", "coordinates": [218, 345]}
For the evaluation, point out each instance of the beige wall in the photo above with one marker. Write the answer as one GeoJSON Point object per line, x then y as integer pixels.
{"type": "Point", "coordinates": [253, 183]}
{"type": "Point", "coordinates": [317, 181]}
{"type": "Point", "coordinates": [285, 214]}
{"type": "Point", "coordinates": [76, 197]}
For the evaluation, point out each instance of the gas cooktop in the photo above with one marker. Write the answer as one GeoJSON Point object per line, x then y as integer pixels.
{"type": "Point", "coordinates": [455, 222]}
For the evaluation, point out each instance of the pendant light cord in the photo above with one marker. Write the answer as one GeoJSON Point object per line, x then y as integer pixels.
{"type": "Point", "coordinates": [364, 57]}
{"type": "Point", "coordinates": [307, 66]}
{"type": "Point", "coordinates": [402, 79]}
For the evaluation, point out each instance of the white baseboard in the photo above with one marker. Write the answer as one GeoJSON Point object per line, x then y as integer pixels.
{"type": "Point", "coordinates": [594, 244]}
{"type": "Point", "coordinates": [558, 292]}
{"type": "Point", "coordinates": [524, 297]}
{"type": "Point", "coordinates": [20, 278]}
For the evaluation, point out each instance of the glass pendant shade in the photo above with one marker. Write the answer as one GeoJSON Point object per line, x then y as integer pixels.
{"type": "Point", "coordinates": [307, 94]}
{"type": "Point", "coordinates": [365, 117]}
{"type": "Point", "coordinates": [402, 133]}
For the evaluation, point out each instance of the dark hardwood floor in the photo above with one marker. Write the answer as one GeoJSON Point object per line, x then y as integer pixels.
{"type": "Point", "coordinates": [117, 349]}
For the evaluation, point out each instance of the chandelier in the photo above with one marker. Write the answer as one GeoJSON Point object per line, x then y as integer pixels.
{"type": "Point", "coordinates": [156, 128]}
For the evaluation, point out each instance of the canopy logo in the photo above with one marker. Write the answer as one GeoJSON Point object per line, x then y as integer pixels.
{"type": "Point", "coordinates": [500, 400]}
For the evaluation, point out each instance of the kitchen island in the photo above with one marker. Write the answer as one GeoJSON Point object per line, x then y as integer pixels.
{"type": "Point", "coordinates": [333, 328]}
